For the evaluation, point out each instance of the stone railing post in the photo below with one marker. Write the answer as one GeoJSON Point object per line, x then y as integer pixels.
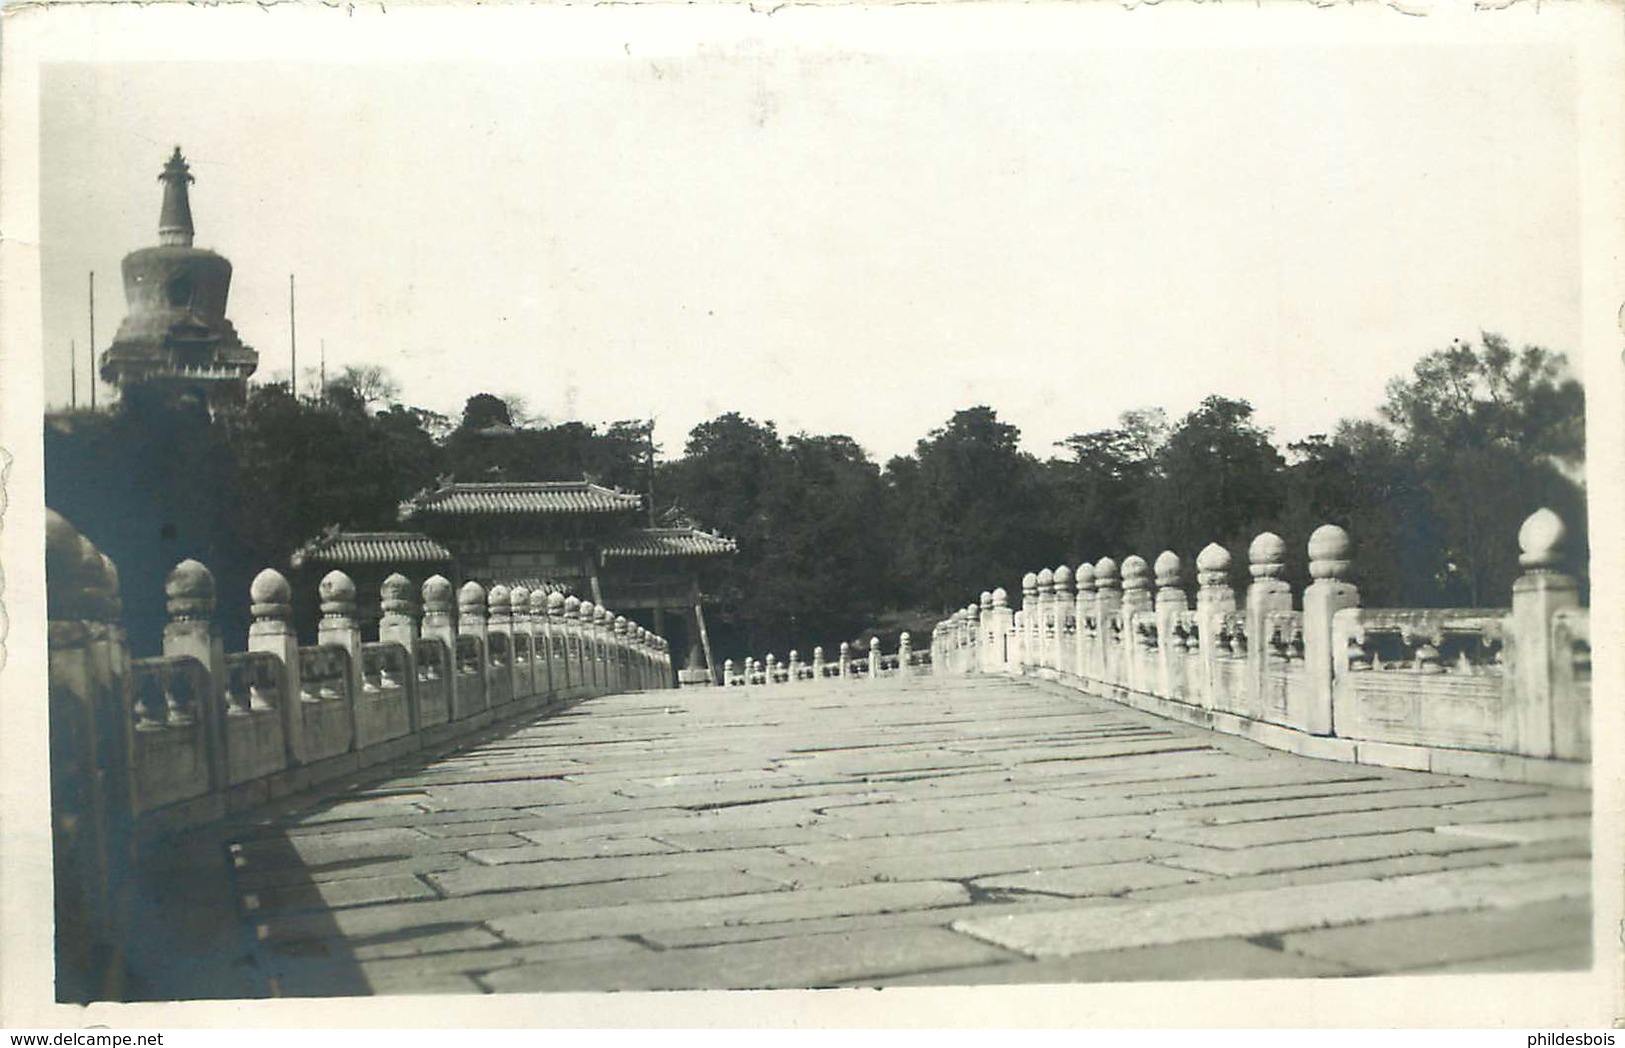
{"type": "Point", "coordinates": [190, 631]}
{"type": "Point", "coordinates": [439, 625]}
{"type": "Point", "coordinates": [1044, 655]}
{"type": "Point", "coordinates": [271, 631]}
{"type": "Point", "coordinates": [586, 627]}
{"type": "Point", "coordinates": [1327, 593]}
{"type": "Point", "coordinates": [600, 660]}
{"type": "Point", "coordinates": [874, 658]}
{"type": "Point", "coordinates": [1108, 661]}
{"type": "Point", "coordinates": [399, 625]}
{"type": "Point", "coordinates": [605, 622]}
{"type": "Point", "coordinates": [1170, 602]}
{"type": "Point", "coordinates": [558, 644]}
{"type": "Point", "coordinates": [904, 653]}
{"type": "Point", "coordinates": [1267, 593]}
{"type": "Point", "coordinates": [471, 608]}
{"type": "Point", "coordinates": [90, 753]}
{"type": "Point", "coordinates": [1136, 598]}
{"type": "Point", "coordinates": [818, 662]}
{"type": "Point", "coordinates": [592, 672]}
{"type": "Point", "coordinates": [1083, 612]}
{"type": "Point", "coordinates": [1030, 625]}
{"type": "Point", "coordinates": [574, 642]}
{"type": "Point", "coordinates": [845, 660]}
{"type": "Point", "coordinates": [1214, 600]}
{"type": "Point", "coordinates": [524, 672]}
{"type": "Point", "coordinates": [1066, 622]}
{"type": "Point", "coordinates": [541, 644]}
{"type": "Point", "coordinates": [771, 672]}
{"type": "Point", "coordinates": [795, 665]}
{"type": "Point", "coordinates": [647, 680]}
{"type": "Point", "coordinates": [1537, 714]}
{"type": "Point", "coordinates": [339, 627]}
{"type": "Point", "coordinates": [1003, 628]}
{"type": "Point", "coordinates": [618, 663]}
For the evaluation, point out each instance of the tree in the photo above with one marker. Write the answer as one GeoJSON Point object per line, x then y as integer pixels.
{"type": "Point", "coordinates": [372, 386]}
{"type": "Point", "coordinates": [1362, 479]}
{"type": "Point", "coordinates": [485, 411]}
{"type": "Point", "coordinates": [1094, 500]}
{"type": "Point", "coordinates": [1495, 434]}
{"type": "Point", "coordinates": [970, 509]}
{"type": "Point", "coordinates": [1217, 479]}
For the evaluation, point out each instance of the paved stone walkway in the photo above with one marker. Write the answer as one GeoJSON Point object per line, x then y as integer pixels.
{"type": "Point", "coordinates": [954, 831]}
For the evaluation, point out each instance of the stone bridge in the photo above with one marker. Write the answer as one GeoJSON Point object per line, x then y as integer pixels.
{"type": "Point", "coordinates": [523, 804]}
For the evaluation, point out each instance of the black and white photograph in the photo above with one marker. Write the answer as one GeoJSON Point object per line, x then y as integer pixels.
{"type": "Point", "coordinates": [509, 503]}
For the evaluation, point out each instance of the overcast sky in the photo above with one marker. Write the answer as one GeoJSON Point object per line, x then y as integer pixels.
{"type": "Point", "coordinates": [846, 242]}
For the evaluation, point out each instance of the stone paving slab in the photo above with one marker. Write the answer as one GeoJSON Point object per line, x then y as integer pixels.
{"type": "Point", "coordinates": [1451, 938]}
{"type": "Point", "coordinates": [954, 831]}
{"type": "Point", "coordinates": [637, 917]}
{"type": "Point", "coordinates": [816, 961]}
{"type": "Point", "coordinates": [1204, 959]}
{"type": "Point", "coordinates": [1281, 910]}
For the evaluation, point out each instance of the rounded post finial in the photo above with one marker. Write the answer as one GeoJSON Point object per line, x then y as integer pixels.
{"type": "Point", "coordinates": [1001, 599]}
{"type": "Point", "coordinates": [1168, 569]}
{"type": "Point", "coordinates": [395, 595]}
{"type": "Point", "coordinates": [1541, 540]}
{"type": "Point", "coordinates": [1085, 578]}
{"type": "Point", "coordinates": [337, 593]}
{"type": "Point", "coordinates": [437, 596]}
{"type": "Point", "coordinates": [270, 596]}
{"type": "Point", "coordinates": [471, 599]}
{"type": "Point", "coordinates": [189, 591]}
{"type": "Point", "coordinates": [1106, 575]}
{"type": "Point", "coordinates": [1063, 581]}
{"type": "Point", "coordinates": [1212, 565]}
{"type": "Point", "coordinates": [1136, 572]}
{"type": "Point", "coordinates": [1329, 553]}
{"type": "Point", "coordinates": [1265, 556]}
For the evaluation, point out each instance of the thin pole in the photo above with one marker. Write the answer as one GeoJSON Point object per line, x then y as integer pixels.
{"type": "Point", "coordinates": [93, 340]}
{"type": "Point", "coordinates": [324, 369]}
{"type": "Point", "coordinates": [293, 341]}
{"type": "Point", "coordinates": [650, 434]}
{"type": "Point", "coordinates": [73, 375]}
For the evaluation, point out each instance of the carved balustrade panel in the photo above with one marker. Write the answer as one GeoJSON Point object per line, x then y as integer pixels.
{"type": "Point", "coordinates": [1283, 661]}
{"type": "Point", "coordinates": [434, 687]}
{"type": "Point", "coordinates": [1431, 676]}
{"type": "Point", "coordinates": [1571, 683]}
{"type": "Point", "coordinates": [170, 758]}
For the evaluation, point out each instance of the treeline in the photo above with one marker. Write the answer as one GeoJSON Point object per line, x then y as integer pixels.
{"type": "Point", "coordinates": [833, 544]}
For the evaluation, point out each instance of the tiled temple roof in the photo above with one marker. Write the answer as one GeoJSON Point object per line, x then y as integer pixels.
{"type": "Point", "coordinates": [530, 582]}
{"type": "Point", "coordinates": [504, 498]}
{"type": "Point", "coordinates": [371, 547]}
{"type": "Point", "coordinates": [667, 542]}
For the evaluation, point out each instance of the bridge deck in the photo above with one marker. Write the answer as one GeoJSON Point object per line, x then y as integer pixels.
{"type": "Point", "coordinates": [947, 831]}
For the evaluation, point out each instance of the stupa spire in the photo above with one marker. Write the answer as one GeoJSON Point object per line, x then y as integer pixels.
{"type": "Point", "coordinates": [175, 220]}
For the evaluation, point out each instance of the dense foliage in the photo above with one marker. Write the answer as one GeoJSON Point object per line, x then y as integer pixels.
{"type": "Point", "coordinates": [832, 545]}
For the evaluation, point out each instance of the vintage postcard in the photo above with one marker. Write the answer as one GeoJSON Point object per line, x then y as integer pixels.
{"type": "Point", "coordinates": [562, 515]}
